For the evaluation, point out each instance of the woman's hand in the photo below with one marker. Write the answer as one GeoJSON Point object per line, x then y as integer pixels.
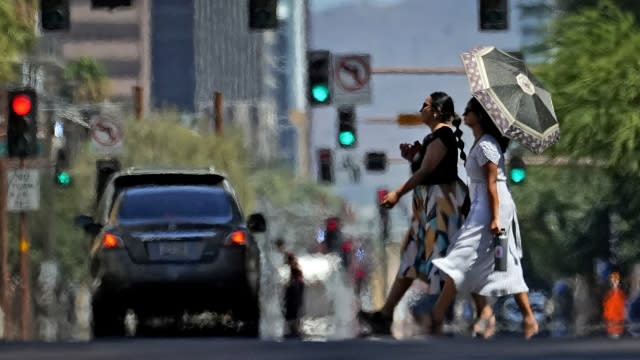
{"type": "Point", "coordinates": [494, 227]}
{"type": "Point", "coordinates": [390, 200]}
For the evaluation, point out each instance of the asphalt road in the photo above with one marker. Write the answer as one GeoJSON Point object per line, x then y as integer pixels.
{"type": "Point", "coordinates": [431, 349]}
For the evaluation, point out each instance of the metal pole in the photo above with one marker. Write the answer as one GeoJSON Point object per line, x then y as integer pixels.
{"type": "Point", "coordinates": [217, 112]}
{"type": "Point", "coordinates": [418, 70]}
{"type": "Point", "coordinates": [4, 246]}
{"type": "Point", "coordinates": [138, 102]}
{"type": "Point", "coordinates": [25, 280]}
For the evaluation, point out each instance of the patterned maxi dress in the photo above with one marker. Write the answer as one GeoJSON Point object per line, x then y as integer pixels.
{"type": "Point", "coordinates": [436, 217]}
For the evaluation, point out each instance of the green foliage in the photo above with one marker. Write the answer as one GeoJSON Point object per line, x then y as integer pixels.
{"type": "Point", "coordinates": [558, 210]}
{"type": "Point", "coordinates": [572, 6]}
{"type": "Point", "coordinates": [594, 76]}
{"type": "Point", "coordinates": [87, 80]}
{"type": "Point", "coordinates": [17, 29]}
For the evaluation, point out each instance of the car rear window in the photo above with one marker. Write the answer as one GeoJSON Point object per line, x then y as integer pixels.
{"type": "Point", "coordinates": [186, 203]}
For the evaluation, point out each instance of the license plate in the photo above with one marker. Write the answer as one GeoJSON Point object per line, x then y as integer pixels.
{"type": "Point", "coordinates": [172, 249]}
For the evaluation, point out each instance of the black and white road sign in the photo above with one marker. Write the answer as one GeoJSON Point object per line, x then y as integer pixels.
{"type": "Point", "coordinates": [351, 78]}
{"type": "Point", "coordinates": [106, 135]}
{"type": "Point", "coordinates": [24, 190]}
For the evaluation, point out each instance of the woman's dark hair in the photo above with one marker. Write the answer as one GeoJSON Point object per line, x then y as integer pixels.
{"type": "Point", "coordinates": [487, 124]}
{"type": "Point", "coordinates": [442, 104]}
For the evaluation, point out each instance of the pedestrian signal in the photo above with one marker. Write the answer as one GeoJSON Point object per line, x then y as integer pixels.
{"type": "Point", "coordinates": [376, 161]}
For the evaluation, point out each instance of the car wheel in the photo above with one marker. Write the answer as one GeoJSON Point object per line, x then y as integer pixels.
{"type": "Point", "coordinates": [250, 318]}
{"type": "Point", "coordinates": [108, 320]}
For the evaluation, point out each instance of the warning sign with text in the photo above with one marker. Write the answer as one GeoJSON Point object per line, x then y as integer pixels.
{"type": "Point", "coordinates": [24, 190]}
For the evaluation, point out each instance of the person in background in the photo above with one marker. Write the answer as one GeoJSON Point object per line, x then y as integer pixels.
{"type": "Point", "coordinates": [294, 291]}
{"type": "Point", "coordinates": [613, 307]}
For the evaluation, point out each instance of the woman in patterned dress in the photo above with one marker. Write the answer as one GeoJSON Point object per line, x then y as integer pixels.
{"type": "Point", "coordinates": [438, 197]}
{"type": "Point", "coordinates": [469, 263]}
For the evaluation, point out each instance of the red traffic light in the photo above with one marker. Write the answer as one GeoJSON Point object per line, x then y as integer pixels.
{"type": "Point", "coordinates": [21, 105]}
{"type": "Point", "coordinates": [332, 224]}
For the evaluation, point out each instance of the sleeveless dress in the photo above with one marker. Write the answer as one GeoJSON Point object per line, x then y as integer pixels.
{"type": "Point", "coordinates": [470, 258]}
{"type": "Point", "coordinates": [436, 214]}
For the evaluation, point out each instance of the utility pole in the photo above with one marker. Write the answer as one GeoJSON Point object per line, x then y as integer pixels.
{"type": "Point", "coordinates": [218, 119]}
{"type": "Point", "coordinates": [407, 70]}
{"type": "Point", "coordinates": [25, 276]}
{"type": "Point", "coordinates": [138, 102]}
{"type": "Point", "coordinates": [4, 247]}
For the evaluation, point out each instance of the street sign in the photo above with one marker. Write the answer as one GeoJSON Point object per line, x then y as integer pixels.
{"type": "Point", "coordinates": [352, 79]}
{"type": "Point", "coordinates": [106, 135]}
{"type": "Point", "coordinates": [24, 190]}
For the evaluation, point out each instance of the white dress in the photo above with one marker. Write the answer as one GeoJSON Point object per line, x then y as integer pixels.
{"type": "Point", "coordinates": [469, 260]}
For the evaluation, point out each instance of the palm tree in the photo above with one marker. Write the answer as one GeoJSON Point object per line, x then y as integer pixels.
{"type": "Point", "coordinates": [87, 80]}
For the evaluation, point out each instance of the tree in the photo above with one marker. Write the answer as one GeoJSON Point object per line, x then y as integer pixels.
{"type": "Point", "coordinates": [596, 86]}
{"type": "Point", "coordinates": [87, 80]}
{"type": "Point", "coordinates": [18, 35]}
{"type": "Point", "coordinates": [575, 6]}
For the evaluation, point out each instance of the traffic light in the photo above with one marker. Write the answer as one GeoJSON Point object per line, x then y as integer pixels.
{"type": "Point", "coordinates": [376, 161]}
{"type": "Point", "coordinates": [263, 14]}
{"type": "Point", "coordinates": [109, 4]}
{"type": "Point", "coordinates": [325, 166]}
{"type": "Point", "coordinates": [319, 77]}
{"type": "Point", "coordinates": [62, 175]}
{"type": "Point", "coordinates": [332, 234]}
{"type": "Point", "coordinates": [517, 170]}
{"type": "Point", "coordinates": [347, 137]}
{"type": "Point", "coordinates": [104, 169]}
{"type": "Point", "coordinates": [494, 15]}
{"type": "Point", "coordinates": [54, 15]}
{"type": "Point", "coordinates": [22, 125]}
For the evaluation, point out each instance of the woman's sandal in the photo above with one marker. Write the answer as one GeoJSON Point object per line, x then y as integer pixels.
{"type": "Point", "coordinates": [377, 322]}
{"type": "Point", "coordinates": [484, 327]}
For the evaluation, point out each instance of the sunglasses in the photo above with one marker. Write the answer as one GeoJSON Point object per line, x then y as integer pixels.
{"type": "Point", "coordinates": [424, 105]}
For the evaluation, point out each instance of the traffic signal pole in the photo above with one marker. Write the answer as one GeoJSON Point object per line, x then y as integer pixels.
{"type": "Point", "coordinates": [25, 276]}
{"type": "Point", "coordinates": [4, 246]}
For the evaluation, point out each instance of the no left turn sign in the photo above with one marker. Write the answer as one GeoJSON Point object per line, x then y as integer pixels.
{"type": "Point", "coordinates": [352, 75]}
{"type": "Point", "coordinates": [106, 135]}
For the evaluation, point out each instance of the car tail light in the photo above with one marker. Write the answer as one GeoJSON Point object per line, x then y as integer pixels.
{"type": "Point", "coordinates": [110, 241]}
{"type": "Point", "coordinates": [238, 238]}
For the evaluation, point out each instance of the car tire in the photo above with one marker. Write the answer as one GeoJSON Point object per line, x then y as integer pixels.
{"type": "Point", "coordinates": [107, 320]}
{"type": "Point", "coordinates": [250, 318]}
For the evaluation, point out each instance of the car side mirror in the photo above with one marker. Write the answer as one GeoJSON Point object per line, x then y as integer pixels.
{"type": "Point", "coordinates": [257, 223]}
{"type": "Point", "coordinates": [88, 224]}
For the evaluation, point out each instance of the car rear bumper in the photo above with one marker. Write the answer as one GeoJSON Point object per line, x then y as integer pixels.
{"type": "Point", "coordinates": [219, 281]}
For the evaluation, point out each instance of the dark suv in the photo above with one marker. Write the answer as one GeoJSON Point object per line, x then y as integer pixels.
{"type": "Point", "coordinates": [170, 241]}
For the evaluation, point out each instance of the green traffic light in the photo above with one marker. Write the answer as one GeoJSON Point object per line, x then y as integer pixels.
{"type": "Point", "coordinates": [346, 138]}
{"type": "Point", "coordinates": [518, 175]}
{"type": "Point", "coordinates": [63, 178]}
{"type": "Point", "coordinates": [320, 92]}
